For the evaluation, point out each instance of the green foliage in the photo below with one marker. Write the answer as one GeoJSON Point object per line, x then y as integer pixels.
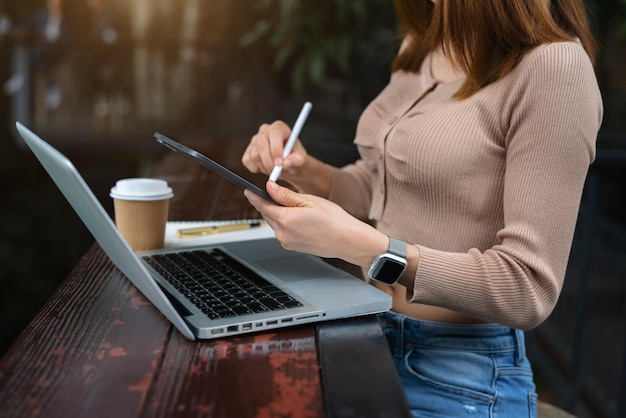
{"type": "Point", "coordinates": [622, 28]}
{"type": "Point", "coordinates": [315, 40]}
{"type": "Point", "coordinates": [311, 41]}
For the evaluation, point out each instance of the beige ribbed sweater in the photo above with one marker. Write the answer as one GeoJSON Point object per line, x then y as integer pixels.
{"type": "Point", "coordinates": [487, 187]}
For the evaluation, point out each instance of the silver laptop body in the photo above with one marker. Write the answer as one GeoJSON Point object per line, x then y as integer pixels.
{"type": "Point", "coordinates": [323, 291]}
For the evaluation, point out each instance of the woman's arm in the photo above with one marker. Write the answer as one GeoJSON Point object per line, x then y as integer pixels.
{"type": "Point", "coordinates": [555, 117]}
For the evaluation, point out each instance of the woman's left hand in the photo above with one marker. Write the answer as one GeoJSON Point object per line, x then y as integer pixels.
{"type": "Point", "coordinates": [313, 225]}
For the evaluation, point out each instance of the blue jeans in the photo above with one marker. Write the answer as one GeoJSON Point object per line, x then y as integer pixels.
{"type": "Point", "coordinates": [450, 370]}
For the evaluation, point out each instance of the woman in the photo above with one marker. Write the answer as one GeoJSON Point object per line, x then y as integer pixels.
{"type": "Point", "coordinates": [473, 161]}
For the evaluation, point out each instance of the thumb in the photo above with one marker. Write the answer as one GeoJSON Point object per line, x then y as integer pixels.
{"type": "Point", "coordinates": [283, 195]}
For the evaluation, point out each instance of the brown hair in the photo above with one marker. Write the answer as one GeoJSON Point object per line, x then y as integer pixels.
{"type": "Point", "coordinates": [487, 38]}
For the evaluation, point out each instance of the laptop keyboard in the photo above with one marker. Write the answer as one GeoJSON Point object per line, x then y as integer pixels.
{"type": "Point", "coordinates": [219, 285]}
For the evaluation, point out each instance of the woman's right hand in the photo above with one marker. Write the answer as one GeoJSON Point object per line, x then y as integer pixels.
{"type": "Point", "coordinates": [266, 150]}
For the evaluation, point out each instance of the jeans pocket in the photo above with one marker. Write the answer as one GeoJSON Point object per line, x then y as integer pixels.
{"type": "Point", "coordinates": [452, 372]}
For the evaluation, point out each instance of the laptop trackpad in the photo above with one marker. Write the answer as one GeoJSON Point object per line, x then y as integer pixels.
{"type": "Point", "coordinates": [296, 268]}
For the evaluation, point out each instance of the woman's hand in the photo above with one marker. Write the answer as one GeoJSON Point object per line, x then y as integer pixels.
{"type": "Point", "coordinates": [266, 150]}
{"type": "Point", "coordinates": [301, 170]}
{"type": "Point", "coordinates": [314, 225]}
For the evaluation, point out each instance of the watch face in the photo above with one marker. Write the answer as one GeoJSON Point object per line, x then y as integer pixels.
{"type": "Point", "coordinates": [389, 270]}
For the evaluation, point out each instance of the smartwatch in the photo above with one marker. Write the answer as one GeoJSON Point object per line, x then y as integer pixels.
{"type": "Point", "coordinates": [389, 266]}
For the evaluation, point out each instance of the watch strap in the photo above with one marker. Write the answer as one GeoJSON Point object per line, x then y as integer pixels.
{"type": "Point", "coordinates": [397, 247]}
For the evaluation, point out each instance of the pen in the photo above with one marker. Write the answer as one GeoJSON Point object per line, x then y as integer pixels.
{"type": "Point", "coordinates": [216, 229]}
{"type": "Point", "coordinates": [304, 113]}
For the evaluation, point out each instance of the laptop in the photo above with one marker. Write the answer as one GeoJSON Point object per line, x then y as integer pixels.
{"type": "Point", "coordinates": [265, 286]}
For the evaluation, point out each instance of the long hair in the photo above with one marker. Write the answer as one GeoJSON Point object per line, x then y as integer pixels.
{"type": "Point", "coordinates": [487, 38]}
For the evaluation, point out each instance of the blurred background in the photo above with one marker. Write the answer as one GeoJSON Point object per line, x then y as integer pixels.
{"type": "Point", "coordinates": [97, 77]}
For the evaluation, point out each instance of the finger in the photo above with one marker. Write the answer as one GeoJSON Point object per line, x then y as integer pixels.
{"type": "Point", "coordinates": [256, 201]}
{"type": "Point", "coordinates": [257, 157]}
{"type": "Point", "coordinates": [277, 135]}
{"type": "Point", "coordinates": [295, 159]}
{"type": "Point", "coordinates": [263, 149]}
{"type": "Point", "coordinates": [284, 196]}
{"type": "Point", "coordinates": [248, 160]}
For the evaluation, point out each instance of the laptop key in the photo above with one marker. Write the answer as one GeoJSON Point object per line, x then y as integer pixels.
{"type": "Point", "coordinates": [219, 285]}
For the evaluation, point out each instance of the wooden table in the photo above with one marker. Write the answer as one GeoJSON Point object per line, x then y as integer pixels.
{"type": "Point", "coordinates": [98, 348]}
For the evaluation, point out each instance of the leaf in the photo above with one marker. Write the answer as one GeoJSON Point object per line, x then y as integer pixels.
{"type": "Point", "coordinates": [283, 55]}
{"type": "Point", "coordinates": [317, 65]}
{"type": "Point", "coordinates": [312, 39]}
{"type": "Point", "coordinates": [299, 76]}
{"type": "Point", "coordinates": [344, 46]}
{"type": "Point", "coordinates": [260, 30]}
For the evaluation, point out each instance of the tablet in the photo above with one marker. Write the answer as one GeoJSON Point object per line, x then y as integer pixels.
{"type": "Point", "coordinates": [209, 163]}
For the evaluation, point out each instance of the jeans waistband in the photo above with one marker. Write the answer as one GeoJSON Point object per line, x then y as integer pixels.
{"type": "Point", "coordinates": [482, 338]}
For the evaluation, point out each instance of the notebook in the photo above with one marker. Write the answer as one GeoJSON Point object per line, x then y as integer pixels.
{"type": "Point", "coordinates": [295, 289]}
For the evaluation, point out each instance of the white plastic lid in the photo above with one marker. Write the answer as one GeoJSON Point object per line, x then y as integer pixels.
{"type": "Point", "coordinates": [141, 189]}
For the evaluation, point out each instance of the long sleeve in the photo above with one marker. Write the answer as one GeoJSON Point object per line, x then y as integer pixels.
{"type": "Point", "coordinates": [555, 113]}
{"type": "Point", "coordinates": [488, 187]}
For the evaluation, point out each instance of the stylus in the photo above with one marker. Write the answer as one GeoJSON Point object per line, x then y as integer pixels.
{"type": "Point", "coordinates": [304, 113]}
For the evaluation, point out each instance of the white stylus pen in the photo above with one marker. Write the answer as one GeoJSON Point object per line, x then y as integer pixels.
{"type": "Point", "coordinates": [304, 113]}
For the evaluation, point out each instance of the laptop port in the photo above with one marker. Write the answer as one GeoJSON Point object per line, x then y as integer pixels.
{"type": "Point", "coordinates": [300, 318]}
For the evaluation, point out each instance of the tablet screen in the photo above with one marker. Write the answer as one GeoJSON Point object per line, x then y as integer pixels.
{"type": "Point", "coordinates": [209, 163]}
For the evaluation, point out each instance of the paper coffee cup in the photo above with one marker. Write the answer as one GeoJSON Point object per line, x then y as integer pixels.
{"type": "Point", "coordinates": [141, 207]}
